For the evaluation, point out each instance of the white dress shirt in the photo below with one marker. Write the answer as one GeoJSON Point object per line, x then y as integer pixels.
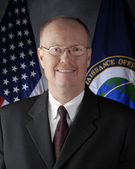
{"type": "Point", "coordinates": [71, 107]}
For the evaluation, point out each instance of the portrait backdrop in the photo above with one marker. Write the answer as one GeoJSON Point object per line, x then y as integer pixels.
{"type": "Point", "coordinates": [41, 10]}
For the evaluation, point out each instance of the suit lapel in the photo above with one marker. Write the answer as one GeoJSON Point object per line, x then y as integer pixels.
{"type": "Point", "coordinates": [82, 128]}
{"type": "Point", "coordinates": [39, 130]}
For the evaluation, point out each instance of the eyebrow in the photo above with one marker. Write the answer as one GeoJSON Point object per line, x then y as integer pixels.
{"type": "Point", "coordinates": [55, 44]}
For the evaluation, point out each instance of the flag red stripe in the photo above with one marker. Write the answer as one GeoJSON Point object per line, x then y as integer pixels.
{"type": "Point", "coordinates": [1, 100]}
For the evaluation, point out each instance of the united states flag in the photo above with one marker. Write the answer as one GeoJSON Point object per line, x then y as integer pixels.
{"type": "Point", "coordinates": [20, 75]}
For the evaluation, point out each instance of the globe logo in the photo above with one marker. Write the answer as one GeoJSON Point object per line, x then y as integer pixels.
{"type": "Point", "coordinates": [118, 89]}
{"type": "Point", "coordinates": [114, 78]}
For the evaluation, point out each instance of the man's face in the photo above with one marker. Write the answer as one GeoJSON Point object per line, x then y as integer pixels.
{"type": "Point", "coordinates": [64, 71]}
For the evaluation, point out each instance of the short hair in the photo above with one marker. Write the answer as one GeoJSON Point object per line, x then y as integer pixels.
{"type": "Point", "coordinates": [66, 18]}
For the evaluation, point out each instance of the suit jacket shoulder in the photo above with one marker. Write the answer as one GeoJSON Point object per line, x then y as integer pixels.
{"type": "Point", "coordinates": [24, 106]}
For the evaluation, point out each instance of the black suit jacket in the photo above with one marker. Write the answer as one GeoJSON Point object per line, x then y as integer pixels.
{"type": "Point", "coordinates": [101, 137]}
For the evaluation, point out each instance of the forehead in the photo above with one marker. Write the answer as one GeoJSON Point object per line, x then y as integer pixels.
{"type": "Point", "coordinates": [64, 24]}
{"type": "Point", "coordinates": [64, 28]}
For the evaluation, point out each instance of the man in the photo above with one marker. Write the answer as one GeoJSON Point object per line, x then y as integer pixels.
{"type": "Point", "coordinates": [101, 131]}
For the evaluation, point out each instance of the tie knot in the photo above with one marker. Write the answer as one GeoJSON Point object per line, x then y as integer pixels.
{"type": "Point", "coordinates": [62, 111]}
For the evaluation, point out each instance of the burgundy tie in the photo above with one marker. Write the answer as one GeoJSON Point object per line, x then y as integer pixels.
{"type": "Point", "coordinates": [61, 131]}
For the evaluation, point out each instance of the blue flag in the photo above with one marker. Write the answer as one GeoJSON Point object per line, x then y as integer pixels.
{"type": "Point", "coordinates": [112, 70]}
{"type": "Point", "coordinates": [20, 75]}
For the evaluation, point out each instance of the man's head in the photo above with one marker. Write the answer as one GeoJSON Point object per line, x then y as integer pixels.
{"type": "Point", "coordinates": [65, 71]}
{"type": "Point", "coordinates": [65, 18]}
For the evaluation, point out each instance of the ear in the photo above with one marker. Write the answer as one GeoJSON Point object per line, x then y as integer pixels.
{"type": "Point", "coordinates": [89, 57]}
{"type": "Point", "coordinates": [41, 58]}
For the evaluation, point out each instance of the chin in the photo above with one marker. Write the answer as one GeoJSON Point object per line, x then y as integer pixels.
{"type": "Point", "coordinates": [65, 85]}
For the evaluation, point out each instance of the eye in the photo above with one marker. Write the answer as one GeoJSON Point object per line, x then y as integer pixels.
{"type": "Point", "coordinates": [76, 49]}
{"type": "Point", "coordinates": [55, 50]}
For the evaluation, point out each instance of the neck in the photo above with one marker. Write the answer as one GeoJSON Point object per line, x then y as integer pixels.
{"type": "Point", "coordinates": [64, 95]}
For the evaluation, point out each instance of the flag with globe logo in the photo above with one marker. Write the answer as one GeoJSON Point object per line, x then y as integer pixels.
{"type": "Point", "coordinates": [112, 70]}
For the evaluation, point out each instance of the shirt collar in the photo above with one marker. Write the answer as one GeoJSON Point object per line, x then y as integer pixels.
{"type": "Point", "coordinates": [71, 106]}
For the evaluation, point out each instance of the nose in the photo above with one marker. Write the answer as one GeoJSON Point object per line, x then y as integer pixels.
{"type": "Point", "coordinates": [67, 50]}
{"type": "Point", "coordinates": [65, 57]}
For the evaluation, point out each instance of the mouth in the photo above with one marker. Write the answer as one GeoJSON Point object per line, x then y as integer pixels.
{"type": "Point", "coordinates": [65, 70]}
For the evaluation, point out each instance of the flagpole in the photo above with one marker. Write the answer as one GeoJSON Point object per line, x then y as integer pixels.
{"type": "Point", "coordinates": [7, 3]}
